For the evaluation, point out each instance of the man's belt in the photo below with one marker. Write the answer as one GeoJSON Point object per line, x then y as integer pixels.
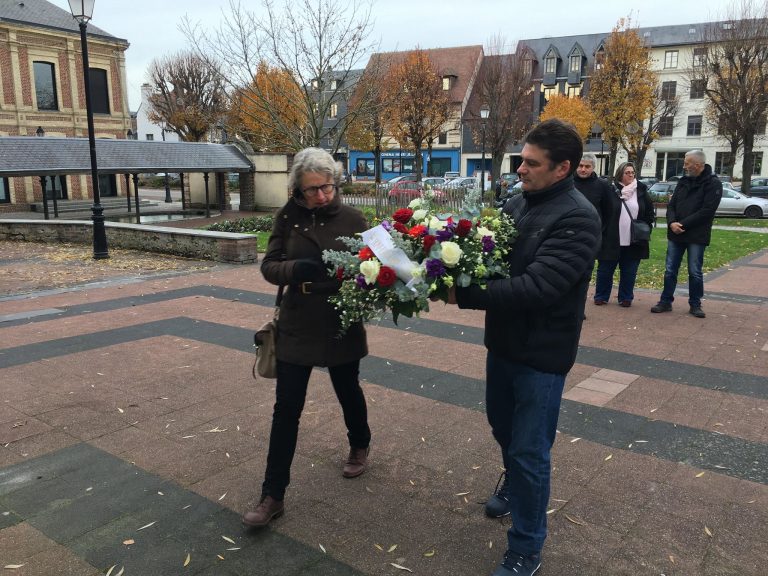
{"type": "Point", "coordinates": [324, 287]}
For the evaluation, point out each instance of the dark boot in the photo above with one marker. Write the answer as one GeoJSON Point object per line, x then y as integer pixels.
{"type": "Point", "coordinates": [356, 463]}
{"type": "Point", "coordinates": [267, 509]}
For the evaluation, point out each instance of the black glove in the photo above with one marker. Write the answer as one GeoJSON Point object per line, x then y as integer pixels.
{"type": "Point", "coordinates": [307, 270]}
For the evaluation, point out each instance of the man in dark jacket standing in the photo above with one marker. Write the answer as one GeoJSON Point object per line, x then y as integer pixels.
{"type": "Point", "coordinates": [606, 201]}
{"type": "Point", "coordinates": [690, 213]}
{"type": "Point", "coordinates": [532, 326]}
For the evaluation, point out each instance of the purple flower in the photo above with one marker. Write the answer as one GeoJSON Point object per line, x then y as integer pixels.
{"type": "Point", "coordinates": [444, 234]}
{"type": "Point", "coordinates": [387, 226]}
{"type": "Point", "coordinates": [361, 283]}
{"type": "Point", "coordinates": [488, 244]}
{"type": "Point", "coordinates": [435, 268]}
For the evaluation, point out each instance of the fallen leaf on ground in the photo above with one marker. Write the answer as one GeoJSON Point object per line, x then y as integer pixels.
{"type": "Point", "coordinates": [129, 542]}
{"type": "Point", "coordinates": [400, 567]}
{"type": "Point", "coordinates": [17, 566]}
{"type": "Point", "coordinates": [222, 496]}
{"type": "Point", "coordinates": [700, 474]}
{"type": "Point", "coordinates": [429, 554]}
{"type": "Point", "coordinates": [379, 547]}
{"type": "Point", "coordinates": [228, 539]}
{"type": "Point", "coordinates": [187, 560]}
{"type": "Point", "coordinates": [608, 457]}
{"type": "Point", "coordinates": [574, 520]}
{"type": "Point", "coordinates": [146, 526]}
{"type": "Point", "coordinates": [708, 531]}
{"type": "Point", "coordinates": [322, 548]}
{"type": "Point", "coordinates": [392, 548]}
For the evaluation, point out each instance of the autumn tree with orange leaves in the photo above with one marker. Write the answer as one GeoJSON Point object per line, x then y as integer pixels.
{"type": "Point", "coordinates": [419, 107]}
{"type": "Point", "coordinates": [621, 91]}
{"type": "Point", "coordinates": [268, 113]}
{"type": "Point", "coordinates": [573, 110]}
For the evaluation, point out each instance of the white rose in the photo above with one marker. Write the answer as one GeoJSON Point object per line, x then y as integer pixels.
{"type": "Point", "coordinates": [451, 253]}
{"type": "Point", "coordinates": [419, 215]}
{"type": "Point", "coordinates": [436, 224]}
{"type": "Point", "coordinates": [370, 269]}
{"type": "Point", "coordinates": [483, 231]}
{"type": "Point", "coordinates": [415, 203]}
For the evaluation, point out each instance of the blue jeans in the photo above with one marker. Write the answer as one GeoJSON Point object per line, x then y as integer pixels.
{"type": "Point", "coordinates": [627, 276]}
{"type": "Point", "coordinates": [675, 251]}
{"type": "Point", "coordinates": [523, 405]}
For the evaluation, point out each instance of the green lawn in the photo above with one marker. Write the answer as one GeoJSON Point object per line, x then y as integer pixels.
{"type": "Point", "coordinates": [738, 222]}
{"type": "Point", "coordinates": [726, 246]}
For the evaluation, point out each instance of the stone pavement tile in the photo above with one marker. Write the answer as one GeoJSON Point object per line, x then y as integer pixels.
{"type": "Point", "coordinates": [59, 560]}
{"type": "Point", "coordinates": [582, 548]}
{"type": "Point", "coordinates": [586, 396]}
{"type": "Point", "coordinates": [690, 406]}
{"type": "Point", "coordinates": [43, 443]}
{"type": "Point", "coordinates": [15, 430]}
{"type": "Point", "coordinates": [742, 417]}
{"type": "Point", "coordinates": [595, 508]}
{"type": "Point", "coordinates": [615, 376]}
{"type": "Point", "coordinates": [241, 483]}
{"type": "Point", "coordinates": [645, 556]}
{"type": "Point", "coordinates": [731, 553]}
{"type": "Point", "coordinates": [644, 395]}
{"type": "Point", "coordinates": [44, 403]}
{"type": "Point", "coordinates": [121, 440]}
{"type": "Point", "coordinates": [7, 517]}
{"type": "Point", "coordinates": [578, 373]}
{"type": "Point", "coordinates": [21, 541]}
{"type": "Point", "coordinates": [10, 413]}
{"type": "Point", "coordinates": [188, 465]}
{"type": "Point", "coordinates": [600, 385]}
{"type": "Point", "coordinates": [8, 457]}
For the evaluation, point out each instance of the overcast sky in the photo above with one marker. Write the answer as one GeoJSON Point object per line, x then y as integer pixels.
{"type": "Point", "coordinates": [151, 26]}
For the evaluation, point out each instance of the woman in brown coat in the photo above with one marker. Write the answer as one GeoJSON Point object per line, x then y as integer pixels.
{"type": "Point", "coordinates": [308, 334]}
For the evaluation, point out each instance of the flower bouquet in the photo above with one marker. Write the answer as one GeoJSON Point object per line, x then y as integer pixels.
{"type": "Point", "coordinates": [415, 256]}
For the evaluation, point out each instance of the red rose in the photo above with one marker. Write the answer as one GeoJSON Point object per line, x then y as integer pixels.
{"type": "Point", "coordinates": [429, 241]}
{"type": "Point", "coordinates": [365, 254]}
{"type": "Point", "coordinates": [463, 228]}
{"type": "Point", "coordinates": [403, 215]}
{"type": "Point", "coordinates": [402, 228]}
{"type": "Point", "coordinates": [386, 276]}
{"type": "Point", "coordinates": [417, 231]}
{"type": "Point", "coordinates": [340, 273]}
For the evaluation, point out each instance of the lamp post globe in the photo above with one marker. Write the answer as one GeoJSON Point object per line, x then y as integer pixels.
{"type": "Point", "coordinates": [82, 11]}
{"type": "Point", "coordinates": [484, 113]}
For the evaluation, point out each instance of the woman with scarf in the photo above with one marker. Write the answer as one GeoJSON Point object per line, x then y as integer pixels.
{"type": "Point", "coordinates": [308, 327]}
{"type": "Point", "coordinates": [633, 203]}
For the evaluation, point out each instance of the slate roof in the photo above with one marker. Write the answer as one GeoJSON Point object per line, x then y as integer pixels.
{"type": "Point", "coordinates": [46, 15]}
{"type": "Point", "coordinates": [30, 155]}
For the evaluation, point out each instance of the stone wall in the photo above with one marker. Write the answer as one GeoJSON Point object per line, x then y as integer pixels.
{"type": "Point", "coordinates": [203, 244]}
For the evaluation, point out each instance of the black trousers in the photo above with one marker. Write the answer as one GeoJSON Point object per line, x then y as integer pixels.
{"type": "Point", "coordinates": [290, 393]}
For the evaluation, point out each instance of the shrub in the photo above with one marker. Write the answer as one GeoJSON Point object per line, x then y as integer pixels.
{"type": "Point", "coordinates": [244, 225]}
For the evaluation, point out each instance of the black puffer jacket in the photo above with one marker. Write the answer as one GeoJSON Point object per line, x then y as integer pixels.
{"type": "Point", "coordinates": [603, 197]}
{"type": "Point", "coordinates": [534, 317]}
{"type": "Point", "coordinates": [309, 325]}
{"type": "Point", "coordinates": [693, 204]}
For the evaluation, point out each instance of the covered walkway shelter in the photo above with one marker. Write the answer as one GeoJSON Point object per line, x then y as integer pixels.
{"type": "Point", "coordinates": [63, 168]}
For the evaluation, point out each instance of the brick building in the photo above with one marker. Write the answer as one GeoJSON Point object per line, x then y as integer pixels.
{"type": "Point", "coordinates": [42, 91]}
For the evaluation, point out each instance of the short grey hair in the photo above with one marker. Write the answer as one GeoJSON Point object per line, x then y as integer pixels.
{"type": "Point", "coordinates": [314, 160]}
{"type": "Point", "coordinates": [697, 155]}
{"type": "Point", "coordinates": [589, 157]}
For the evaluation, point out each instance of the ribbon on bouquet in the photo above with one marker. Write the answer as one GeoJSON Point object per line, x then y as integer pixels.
{"type": "Point", "coordinates": [381, 244]}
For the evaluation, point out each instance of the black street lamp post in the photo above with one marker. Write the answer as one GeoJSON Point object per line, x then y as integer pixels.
{"type": "Point", "coordinates": [82, 11]}
{"type": "Point", "coordinates": [168, 198]}
{"type": "Point", "coordinates": [484, 113]}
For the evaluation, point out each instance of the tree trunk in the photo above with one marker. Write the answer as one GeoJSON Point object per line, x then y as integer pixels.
{"type": "Point", "coordinates": [747, 164]}
{"type": "Point", "coordinates": [614, 148]}
{"type": "Point", "coordinates": [639, 160]}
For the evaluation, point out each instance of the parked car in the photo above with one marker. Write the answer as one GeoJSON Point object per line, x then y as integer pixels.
{"type": "Point", "coordinates": [728, 186]}
{"type": "Point", "coordinates": [511, 191]}
{"type": "Point", "coordinates": [402, 178]}
{"type": "Point", "coordinates": [451, 175]}
{"type": "Point", "coordinates": [662, 191]}
{"type": "Point", "coordinates": [433, 181]}
{"type": "Point", "coordinates": [403, 192]}
{"type": "Point", "coordinates": [759, 187]}
{"type": "Point", "coordinates": [468, 182]}
{"type": "Point", "coordinates": [723, 177]}
{"type": "Point", "coordinates": [649, 181]}
{"type": "Point", "coordinates": [735, 203]}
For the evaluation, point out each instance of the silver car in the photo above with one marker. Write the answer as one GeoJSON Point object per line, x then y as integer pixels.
{"type": "Point", "coordinates": [735, 203]}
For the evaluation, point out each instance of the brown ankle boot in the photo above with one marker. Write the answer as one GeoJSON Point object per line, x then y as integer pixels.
{"type": "Point", "coordinates": [267, 509]}
{"type": "Point", "coordinates": [356, 463]}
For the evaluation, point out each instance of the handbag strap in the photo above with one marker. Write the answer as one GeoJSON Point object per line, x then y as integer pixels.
{"type": "Point", "coordinates": [627, 208]}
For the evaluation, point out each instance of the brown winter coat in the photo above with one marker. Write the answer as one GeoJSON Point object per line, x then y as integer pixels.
{"type": "Point", "coordinates": [308, 331]}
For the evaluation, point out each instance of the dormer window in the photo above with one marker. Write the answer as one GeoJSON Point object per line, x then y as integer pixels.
{"type": "Point", "coordinates": [550, 65]}
{"type": "Point", "coordinates": [315, 84]}
{"type": "Point", "coordinates": [334, 84]}
{"type": "Point", "coordinates": [528, 67]}
{"type": "Point", "coordinates": [575, 63]}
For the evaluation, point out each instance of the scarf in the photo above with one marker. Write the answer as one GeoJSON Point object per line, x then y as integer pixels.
{"type": "Point", "coordinates": [629, 190]}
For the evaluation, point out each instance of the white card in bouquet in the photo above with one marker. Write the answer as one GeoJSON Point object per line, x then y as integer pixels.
{"type": "Point", "coordinates": [380, 242]}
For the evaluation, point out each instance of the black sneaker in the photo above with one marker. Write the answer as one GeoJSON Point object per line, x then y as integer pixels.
{"type": "Point", "coordinates": [662, 307]}
{"type": "Point", "coordinates": [697, 311]}
{"type": "Point", "coordinates": [518, 565]}
{"type": "Point", "coordinates": [497, 505]}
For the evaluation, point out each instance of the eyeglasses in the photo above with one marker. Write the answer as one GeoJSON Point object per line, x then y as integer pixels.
{"type": "Point", "coordinates": [326, 189]}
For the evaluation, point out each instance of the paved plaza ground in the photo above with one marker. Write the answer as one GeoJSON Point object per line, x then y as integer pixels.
{"type": "Point", "coordinates": [133, 435]}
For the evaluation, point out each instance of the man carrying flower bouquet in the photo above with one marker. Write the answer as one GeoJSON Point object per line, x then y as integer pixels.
{"type": "Point", "coordinates": [532, 327]}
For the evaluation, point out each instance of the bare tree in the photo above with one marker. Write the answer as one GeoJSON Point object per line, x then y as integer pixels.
{"type": "Point", "coordinates": [187, 95]}
{"type": "Point", "coordinates": [732, 67]}
{"type": "Point", "coordinates": [505, 87]}
{"type": "Point", "coordinates": [661, 117]}
{"type": "Point", "coordinates": [316, 42]}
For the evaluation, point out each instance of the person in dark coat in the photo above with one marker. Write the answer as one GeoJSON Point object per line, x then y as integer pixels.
{"type": "Point", "coordinates": [690, 214]}
{"type": "Point", "coordinates": [308, 327]}
{"type": "Point", "coordinates": [634, 203]}
{"type": "Point", "coordinates": [533, 321]}
{"type": "Point", "coordinates": [603, 197]}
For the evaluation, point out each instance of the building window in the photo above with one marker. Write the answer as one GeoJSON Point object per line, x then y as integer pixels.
{"type": "Point", "coordinates": [99, 91]}
{"type": "Point", "coordinates": [694, 126]}
{"type": "Point", "coordinates": [5, 192]}
{"type": "Point", "coordinates": [528, 67]}
{"type": "Point", "coordinates": [576, 63]}
{"type": "Point", "coordinates": [45, 86]}
{"type": "Point", "coordinates": [446, 82]}
{"type": "Point", "coordinates": [757, 167]}
{"type": "Point", "coordinates": [697, 89]}
{"type": "Point", "coordinates": [670, 59]}
{"type": "Point", "coordinates": [668, 90]}
{"type": "Point", "coordinates": [666, 125]}
{"type": "Point", "coordinates": [599, 59]}
{"type": "Point", "coordinates": [442, 138]}
{"type": "Point", "coordinates": [334, 84]}
{"type": "Point", "coordinates": [549, 92]}
{"type": "Point", "coordinates": [550, 66]}
{"type": "Point", "coordinates": [723, 160]}
{"type": "Point", "coordinates": [699, 57]}
{"type": "Point", "coordinates": [150, 136]}
{"type": "Point", "coordinates": [761, 125]}
{"type": "Point", "coordinates": [334, 111]}
{"type": "Point", "coordinates": [573, 91]}
{"type": "Point", "coordinates": [315, 84]}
